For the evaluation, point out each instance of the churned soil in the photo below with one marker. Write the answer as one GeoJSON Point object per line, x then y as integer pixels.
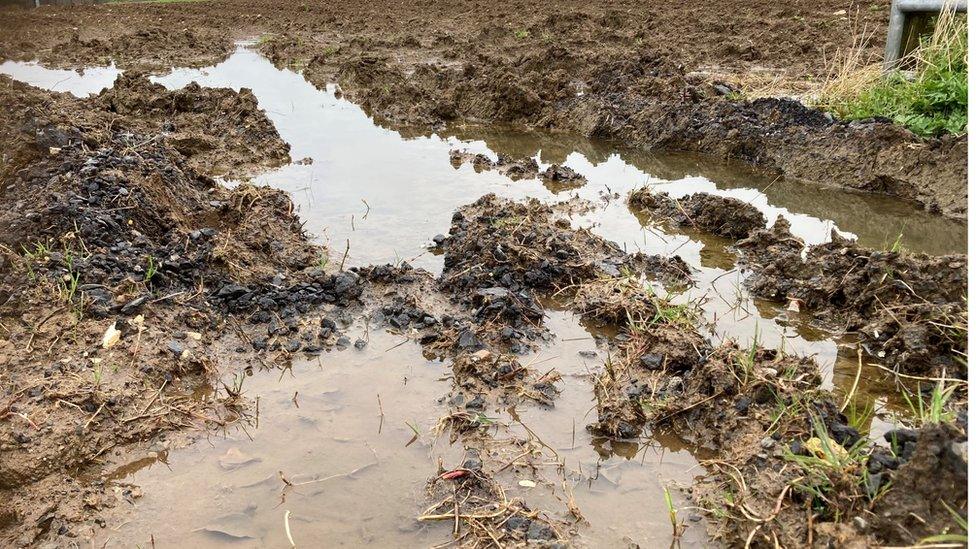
{"type": "Point", "coordinates": [501, 257]}
{"type": "Point", "coordinates": [219, 131]}
{"type": "Point", "coordinates": [134, 288]}
{"type": "Point", "coordinates": [909, 309]}
{"type": "Point", "coordinates": [670, 76]}
{"type": "Point", "coordinates": [119, 264]}
{"type": "Point", "coordinates": [784, 451]}
{"type": "Point", "coordinates": [720, 215]}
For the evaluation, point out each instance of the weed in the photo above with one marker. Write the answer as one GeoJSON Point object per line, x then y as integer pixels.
{"type": "Point", "coordinates": [745, 361]}
{"type": "Point", "coordinates": [897, 245]}
{"type": "Point", "coordinates": [481, 420]}
{"type": "Point", "coordinates": [151, 269]}
{"type": "Point", "coordinates": [935, 410]}
{"type": "Point", "coordinates": [676, 528]}
{"type": "Point", "coordinates": [828, 468]}
{"type": "Point", "coordinates": [68, 287]}
{"type": "Point", "coordinates": [859, 417]}
{"type": "Point", "coordinates": [39, 252]}
{"type": "Point", "coordinates": [670, 313]}
{"type": "Point", "coordinates": [97, 375]}
{"type": "Point", "coordinates": [236, 388]}
{"type": "Point", "coordinates": [521, 34]}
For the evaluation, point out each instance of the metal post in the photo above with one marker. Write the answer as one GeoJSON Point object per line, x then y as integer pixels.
{"type": "Point", "coordinates": [896, 23]}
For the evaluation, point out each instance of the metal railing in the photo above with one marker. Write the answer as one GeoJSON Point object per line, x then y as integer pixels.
{"type": "Point", "coordinates": [900, 10]}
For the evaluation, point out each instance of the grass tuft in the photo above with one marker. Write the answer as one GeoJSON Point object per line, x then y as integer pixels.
{"type": "Point", "coordinates": [929, 100]}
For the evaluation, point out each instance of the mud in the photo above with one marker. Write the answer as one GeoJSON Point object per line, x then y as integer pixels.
{"type": "Point", "coordinates": [909, 308]}
{"type": "Point", "coordinates": [647, 98]}
{"type": "Point", "coordinates": [502, 256]}
{"type": "Point", "coordinates": [112, 219]}
{"type": "Point", "coordinates": [762, 412]}
{"type": "Point", "coordinates": [119, 261]}
{"type": "Point", "coordinates": [514, 169]}
{"type": "Point", "coordinates": [557, 178]}
{"type": "Point", "coordinates": [723, 216]}
{"type": "Point", "coordinates": [220, 132]}
{"type": "Point", "coordinates": [435, 64]}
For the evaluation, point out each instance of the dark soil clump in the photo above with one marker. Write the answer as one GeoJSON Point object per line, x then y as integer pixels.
{"type": "Point", "coordinates": [501, 256]}
{"type": "Point", "coordinates": [934, 480]}
{"type": "Point", "coordinates": [515, 169]}
{"type": "Point", "coordinates": [909, 308]}
{"type": "Point", "coordinates": [720, 215]}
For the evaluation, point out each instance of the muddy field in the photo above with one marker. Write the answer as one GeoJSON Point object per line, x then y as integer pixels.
{"type": "Point", "coordinates": [427, 273]}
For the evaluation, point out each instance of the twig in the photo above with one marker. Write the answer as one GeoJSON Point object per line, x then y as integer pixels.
{"type": "Point", "coordinates": [288, 529]}
{"type": "Point", "coordinates": [343, 262]}
{"type": "Point", "coordinates": [857, 379]}
{"type": "Point", "coordinates": [91, 419]}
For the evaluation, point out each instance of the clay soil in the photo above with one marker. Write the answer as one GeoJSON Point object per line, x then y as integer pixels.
{"type": "Point", "coordinates": [135, 290]}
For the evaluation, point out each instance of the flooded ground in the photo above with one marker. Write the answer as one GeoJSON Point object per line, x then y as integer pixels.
{"type": "Point", "coordinates": [339, 429]}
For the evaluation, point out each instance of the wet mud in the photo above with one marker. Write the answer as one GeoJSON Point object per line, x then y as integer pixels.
{"type": "Point", "coordinates": [555, 177]}
{"type": "Point", "coordinates": [120, 261]}
{"type": "Point", "coordinates": [486, 67]}
{"type": "Point", "coordinates": [722, 216]}
{"type": "Point", "coordinates": [146, 303]}
{"type": "Point", "coordinates": [908, 308]}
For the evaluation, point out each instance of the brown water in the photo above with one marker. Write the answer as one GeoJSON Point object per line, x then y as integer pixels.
{"type": "Point", "coordinates": [321, 424]}
{"type": "Point", "coordinates": [387, 193]}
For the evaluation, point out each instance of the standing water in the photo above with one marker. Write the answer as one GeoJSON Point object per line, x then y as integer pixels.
{"type": "Point", "coordinates": [351, 432]}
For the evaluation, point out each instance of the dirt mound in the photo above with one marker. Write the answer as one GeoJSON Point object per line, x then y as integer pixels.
{"type": "Point", "coordinates": [500, 253]}
{"type": "Point", "coordinates": [934, 481]}
{"type": "Point", "coordinates": [909, 308]}
{"type": "Point", "coordinates": [118, 261]}
{"type": "Point", "coordinates": [724, 216]}
{"type": "Point", "coordinates": [220, 131]}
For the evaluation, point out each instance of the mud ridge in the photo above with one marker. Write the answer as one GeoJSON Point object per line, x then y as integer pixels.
{"type": "Point", "coordinates": [723, 216]}
{"type": "Point", "coordinates": [484, 66]}
{"type": "Point", "coordinates": [908, 308]}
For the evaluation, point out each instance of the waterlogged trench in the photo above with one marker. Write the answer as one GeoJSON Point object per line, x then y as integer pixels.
{"type": "Point", "coordinates": [341, 423]}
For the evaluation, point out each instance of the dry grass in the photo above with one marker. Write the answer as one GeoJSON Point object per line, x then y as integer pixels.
{"type": "Point", "coordinates": [630, 300]}
{"type": "Point", "coordinates": [850, 71]}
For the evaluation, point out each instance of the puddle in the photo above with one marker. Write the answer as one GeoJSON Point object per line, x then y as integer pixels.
{"type": "Point", "coordinates": [354, 479]}
{"type": "Point", "coordinates": [387, 193]}
{"type": "Point", "coordinates": [358, 479]}
{"type": "Point", "coordinates": [80, 83]}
